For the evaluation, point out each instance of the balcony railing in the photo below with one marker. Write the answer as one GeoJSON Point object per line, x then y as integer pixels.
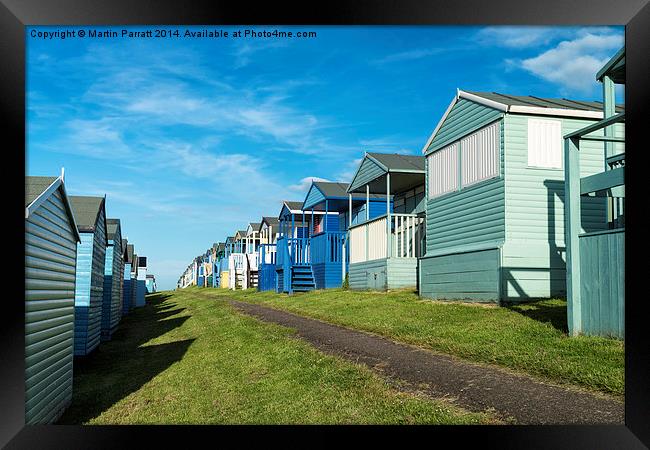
{"type": "Point", "coordinates": [370, 240]}
{"type": "Point", "coordinates": [327, 247]}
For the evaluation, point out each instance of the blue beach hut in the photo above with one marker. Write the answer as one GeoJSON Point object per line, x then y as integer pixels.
{"type": "Point", "coordinates": [51, 239]}
{"type": "Point", "coordinates": [328, 249]}
{"type": "Point", "coordinates": [113, 280]}
{"type": "Point", "coordinates": [126, 288]}
{"type": "Point", "coordinates": [90, 214]}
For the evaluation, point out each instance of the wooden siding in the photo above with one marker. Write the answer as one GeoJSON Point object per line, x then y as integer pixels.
{"type": "Point", "coordinates": [50, 261]}
{"type": "Point", "coordinates": [327, 275]}
{"type": "Point", "coordinates": [464, 118]}
{"type": "Point", "coordinates": [410, 202]}
{"type": "Point", "coordinates": [368, 171]}
{"type": "Point", "coordinates": [461, 276]}
{"type": "Point", "coordinates": [386, 273]}
{"type": "Point", "coordinates": [113, 286]}
{"type": "Point", "coordinates": [89, 291]}
{"type": "Point", "coordinates": [126, 289]}
{"type": "Point", "coordinates": [377, 208]}
{"type": "Point", "coordinates": [602, 274]}
{"type": "Point", "coordinates": [473, 215]}
{"type": "Point", "coordinates": [534, 256]}
{"type": "Point", "coordinates": [314, 196]}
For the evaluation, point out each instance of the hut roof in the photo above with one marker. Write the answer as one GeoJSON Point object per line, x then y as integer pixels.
{"type": "Point", "coordinates": [35, 186]}
{"type": "Point", "coordinates": [269, 221]}
{"type": "Point", "coordinates": [86, 211]}
{"type": "Point", "coordinates": [539, 102]}
{"type": "Point", "coordinates": [293, 205]}
{"type": "Point", "coordinates": [396, 162]}
{"type": "Point", "coordinates": [111, 227]}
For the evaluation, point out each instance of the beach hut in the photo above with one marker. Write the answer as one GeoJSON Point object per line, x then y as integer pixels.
{"type": "Point", "coordinates": [328, 250]}
{"type": "Point", "coordinates": [268, 232]}
{"type": "Point", "coordinates": [90, 214]}
{"type": "Point", "coordinates": [293, 266]}
{"type": "Point", "coordinates": [126, 286]}
{"type": "Point", "coordinates": [151, 284]}
{"type": "Point", "coordinates": [219, 251]}
{"type": "Point", "coordinates": [384, 250]}
{"type": "Point", "coordinates": [141, 289]}
{"type": "Point", "coordinates": [596, 260]}
{"type": "Point", "coordinates": [224, 276]}
{"type": "Point", "coordinates": [51, 239]}
{"type": "Point", "coordinates": [242, 265]}
{"type": "Point", "coordinates": [113, 280]}
{"type": "Point", "coordinates": [134, 280]}
{"type": "Point", "coordinates": [495, 196]}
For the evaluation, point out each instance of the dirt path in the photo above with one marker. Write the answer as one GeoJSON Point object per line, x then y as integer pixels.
{"type": "Point", "coordinates": [472, 386]}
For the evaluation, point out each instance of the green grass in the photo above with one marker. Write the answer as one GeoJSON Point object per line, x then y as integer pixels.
{"type": "Point", "coordinates": [529, 338]}
{"type": "Point", "coordinates": [188, 357]}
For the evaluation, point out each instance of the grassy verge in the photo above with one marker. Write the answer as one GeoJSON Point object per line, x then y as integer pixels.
{"type": "Point", "coordinates": [182, 359]}
{"type": "Point", "coordinates": [529, 338]}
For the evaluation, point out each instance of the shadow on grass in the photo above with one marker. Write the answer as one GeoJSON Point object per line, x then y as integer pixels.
{"type": "Point", "coordinates": [545, 311]}
{"type": "Point", "coordinates": [123, 365]}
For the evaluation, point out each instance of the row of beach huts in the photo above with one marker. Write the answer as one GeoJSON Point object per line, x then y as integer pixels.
{"type": "Point", "coordinates": [81, 277]}
{"type": "Point", "coordinates": [514, 198]}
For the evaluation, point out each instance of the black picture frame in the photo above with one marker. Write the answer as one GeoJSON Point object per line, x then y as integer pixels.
{"type": "Point", "coordinates": [16, 14]}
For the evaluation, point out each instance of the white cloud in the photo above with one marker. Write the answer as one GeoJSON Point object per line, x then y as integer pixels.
{"type": "Point", "coordinates": [304, 184]}
{"type": "Point", "coordinates": [573, 64]}
{"type": "Point", "coordinates": [521, 37]}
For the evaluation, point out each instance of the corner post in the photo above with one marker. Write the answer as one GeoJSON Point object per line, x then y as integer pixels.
{"type": "Point", "coordinates": [572, 231]}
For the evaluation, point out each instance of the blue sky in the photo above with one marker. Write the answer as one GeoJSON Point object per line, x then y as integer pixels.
{"type": "Point", "coordinates": [191, 139]}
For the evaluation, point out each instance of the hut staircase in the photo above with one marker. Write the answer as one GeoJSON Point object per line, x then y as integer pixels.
{"type": "Point", "coordinates": [302, 278]}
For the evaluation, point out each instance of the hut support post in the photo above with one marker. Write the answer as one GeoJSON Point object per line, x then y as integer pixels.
{"type": "Point", "coordinates": [389, 242]}
{"type": "Point", "coordinates": [572, 231]}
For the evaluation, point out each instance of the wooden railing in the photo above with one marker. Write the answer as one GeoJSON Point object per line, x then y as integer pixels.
{"type": "Point", "coordinates": [267, 254]}
{"type": "Point", "coordinates": [327, 247]}
{"type": "Point", "coordinates": [370, 240]}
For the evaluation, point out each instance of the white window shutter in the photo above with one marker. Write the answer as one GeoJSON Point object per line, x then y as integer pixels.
{"type": "Point", "coordinates": [443, 170]}
{"type": "Point", "coordinates": [545, 143]}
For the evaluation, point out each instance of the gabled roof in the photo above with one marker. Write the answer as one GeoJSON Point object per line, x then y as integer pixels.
{"type": "Point", "coordinates": [269, 221]}
{"type": "Point", "coordinates": [240, 234]}
{"type": "Point", "coordinates": [35, 186]}
{"type": "Point", "coordinates": [395, 162]}
{"type": "Point", "coordinates": [335, 192]}
{"type": "Point", "coordinates": [293, 206]}
{"type": "Point", "coordinates": [254, 226]}
{"type": "Point", "coordinates": [574, 108]}
{"type": "Point", "coordinates": [38, 189]}
{"type": "Point", "coordinates": [87, 211]}
{"type": "Point", "coordinates": [125, 252]}
{"type": "Point", "coordinates": [526, 104]}
{"type": "Point", "coordinates": [112, 225]}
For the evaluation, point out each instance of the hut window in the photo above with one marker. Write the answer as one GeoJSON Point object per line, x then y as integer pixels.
{"type": "Point", "coordinates": [480, 155]}
{"type": "Point", "coordinates": [545, 143]}
{"type": "Point", "coordinates": [443, 171]}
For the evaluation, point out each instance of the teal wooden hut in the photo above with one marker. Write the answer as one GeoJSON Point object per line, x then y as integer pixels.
{"type": "Point", "coordinates": [134, 279]}
{"type": "Point", "coordinates": [126, 287]}
{"type": "Point", "coordinates": [384, 249]}
{"type": "Point", "coordinates": [495, 196]}
{"type": "Point", "coordinates": [90, 214]}
{"type": "Point", "coordinates": [141, 281]}
{"type": "Point", "coordinates": [51, 239]}
{"type": "Point", "coordinates": [151, 284]}
{"type": "Point", "coordinates": [113, 280]}
{"type": "Point", "coordinates": [596, 260]}
{"type": "Point", "coordinates": [328, 247]}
